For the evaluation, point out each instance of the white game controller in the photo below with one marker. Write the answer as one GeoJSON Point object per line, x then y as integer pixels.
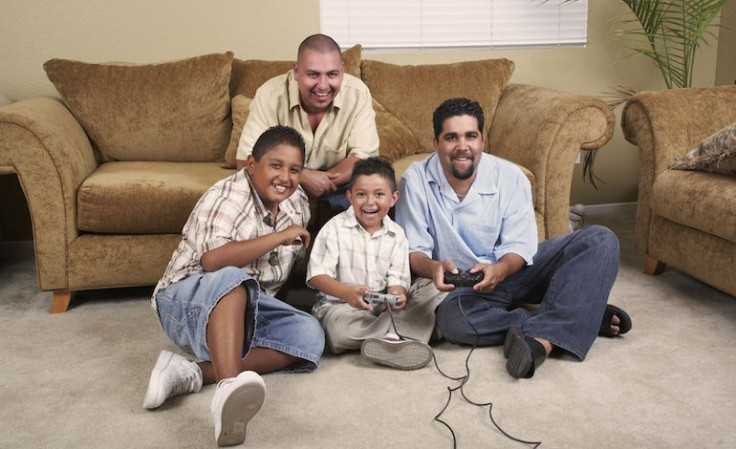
{"type": "Point", "coordinates": [377, 301]}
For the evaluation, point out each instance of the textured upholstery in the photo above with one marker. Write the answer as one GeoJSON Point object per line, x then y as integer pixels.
{"type": "Point", "coordinates": [104, 220]}
{"type": "Point", "coordinates": [172, 111]}
{"type": "Point", "coordinates": [686, 219]}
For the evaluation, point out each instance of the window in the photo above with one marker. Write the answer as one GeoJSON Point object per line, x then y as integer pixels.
{"type": "Point", "coordinates": [395, 24]}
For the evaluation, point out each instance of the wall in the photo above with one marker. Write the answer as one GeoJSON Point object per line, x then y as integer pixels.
{"type": "Point", "coordinates": [34, 31]}
{"type": "Point", "coordinates": [726, 66]}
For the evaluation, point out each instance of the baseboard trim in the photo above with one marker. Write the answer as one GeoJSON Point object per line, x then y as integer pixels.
{"type": "Point", "coordinates": [610, 208]}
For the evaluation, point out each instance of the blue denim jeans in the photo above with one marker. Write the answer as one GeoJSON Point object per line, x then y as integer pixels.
{"type": "Point", "coordinates": [570, 279]}
{"type": "Point", "coordinates": [338, 200]}
{"type": "Point", "coordinates": [185, 307]}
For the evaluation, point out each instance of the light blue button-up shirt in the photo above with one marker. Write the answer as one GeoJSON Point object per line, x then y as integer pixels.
{"type": "Point", "coordinates": [495, 218]}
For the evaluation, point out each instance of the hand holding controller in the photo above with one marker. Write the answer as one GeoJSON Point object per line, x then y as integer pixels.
{"type": "Point", "coordinates": [463, 278]}
{"type": "Point", "coordinates": [378, 301]}
{"type": "Point", "coordinates": [375, 299]}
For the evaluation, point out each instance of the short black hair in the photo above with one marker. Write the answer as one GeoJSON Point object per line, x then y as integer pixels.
{"type": "Point", "coordinates": [277, 135]}
{"type": "Point", "coordinates": [454, 107]}
{"type": "Point", "coordinates": [375, 165]}
{"type": "Point", "coordinates": [321, 43]}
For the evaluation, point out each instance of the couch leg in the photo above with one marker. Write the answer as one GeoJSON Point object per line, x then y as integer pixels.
{"type": "Point", "coordinates": [653, 266]}
{"type": "Point", "coordinates": [60, 301]}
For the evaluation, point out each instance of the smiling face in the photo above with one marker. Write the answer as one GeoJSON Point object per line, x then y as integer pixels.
{"type": "Point", "coordinates": [371, 198]}
{"type": "Point", "coordinates": [276, 175]}
{"type": "Point", "coordinates": [318, 75]}
{"type": "Point", "coordinates": [459, 147]}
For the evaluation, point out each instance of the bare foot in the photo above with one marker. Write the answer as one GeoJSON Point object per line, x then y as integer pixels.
{"type": "Point", "coordinates": [547, 345]}
{"type": "Point", "coordinates": [615, 321]}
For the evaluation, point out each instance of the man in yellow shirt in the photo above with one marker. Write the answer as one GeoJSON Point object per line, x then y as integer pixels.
{"type": "Point", "coordinates": [331, 109]}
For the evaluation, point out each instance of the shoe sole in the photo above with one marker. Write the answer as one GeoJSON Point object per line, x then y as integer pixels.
{"type": "Point", "coordinates": [239, 408]}
{"type": "Point", "coordinates": [405, 354]}
{"type": "Point", "coordinates": [154, 395]}
{"type": "Point", "coordinates": [518, 353]}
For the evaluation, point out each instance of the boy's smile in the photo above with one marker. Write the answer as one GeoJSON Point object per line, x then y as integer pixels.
{"type": "Point", "coordinates": [371, 198]}
{"type": "Point", "coordinates": [276, 175]}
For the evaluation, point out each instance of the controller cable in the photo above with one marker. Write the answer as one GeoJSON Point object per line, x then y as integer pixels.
{"type": "Point", "coordinates": [463, 380]}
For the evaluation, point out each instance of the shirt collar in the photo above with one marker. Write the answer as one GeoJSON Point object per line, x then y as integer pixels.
{"type": "Point", "coordinates": [351, 221]}
{"type": "Point", "coordinates": [257, 201]}
{"type": "Point", "coordinates": [485, 182]}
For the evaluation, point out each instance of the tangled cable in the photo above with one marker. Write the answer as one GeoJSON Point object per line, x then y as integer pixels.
{"type": "Point", "coordinates": [463, 380]}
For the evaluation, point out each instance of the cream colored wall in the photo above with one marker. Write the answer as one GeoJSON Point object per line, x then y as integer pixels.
{"type": "Point", "coordinates": [726, 67]}
{"type": "Point", "coordinates": [144, 31]}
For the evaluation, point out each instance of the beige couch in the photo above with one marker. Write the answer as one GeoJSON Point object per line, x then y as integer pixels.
{"type": "Point", "coordinates": [111, 172]}
{"type": "Point", "coordinates": [686, 219]}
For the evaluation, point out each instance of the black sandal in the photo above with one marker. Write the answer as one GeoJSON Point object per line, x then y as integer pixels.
{"type": "Point", "coordinates": [624, 324]}
{"type": "Point", "coordinates": [523, 354]}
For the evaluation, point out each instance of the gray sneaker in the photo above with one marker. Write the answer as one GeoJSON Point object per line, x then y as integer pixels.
{"type": "Point", "coordinates": [236, 401]}
{"type": "Point", "coordinates": [171, 376]}
{"type": "Point", "coordinates": [396, 353]}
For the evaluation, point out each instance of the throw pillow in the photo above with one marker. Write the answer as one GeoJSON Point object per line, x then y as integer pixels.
{"type": "Point", "coordinates": [171, 111]}
{"type": "Point", "coordinates": [396, 140]}
{"type": "Point", "coordinates": [240, 108]}
{"type": "Point", "coordinates": [716, 153]}
{"type": "Point", "coordinates": [248, 75]}
{"type": "Point", "coordinates": [412, 93]}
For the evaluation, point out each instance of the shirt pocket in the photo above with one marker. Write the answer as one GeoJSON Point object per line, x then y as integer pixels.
{"type": "Point", "coordinates": [293, 252]}
{"type": "Point", "coordinates": [482, 238]}
{"type": "Point", "coordinates": [334, 143]}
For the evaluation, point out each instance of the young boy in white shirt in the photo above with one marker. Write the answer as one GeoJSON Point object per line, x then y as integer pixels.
{"type": "Point", "coordinates": [362, 250]}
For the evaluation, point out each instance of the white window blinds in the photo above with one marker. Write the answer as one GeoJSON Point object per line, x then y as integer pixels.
{"type": "Point", "coordinates": [392, 24]}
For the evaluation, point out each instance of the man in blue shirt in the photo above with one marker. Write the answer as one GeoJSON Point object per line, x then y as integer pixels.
{"type": "Point", "coordinates": [466, 210]}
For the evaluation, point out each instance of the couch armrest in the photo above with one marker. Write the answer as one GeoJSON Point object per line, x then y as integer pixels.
{"type": "Point", "coordinates": [543, 130]}
{"type": "Point", "coordinates": [665, 124]}
{"type": "Point", "coordinates": [41, 141]}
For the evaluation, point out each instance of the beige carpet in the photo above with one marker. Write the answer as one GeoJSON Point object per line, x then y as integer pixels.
{"type": "Point", "coordinates": [77, 380]}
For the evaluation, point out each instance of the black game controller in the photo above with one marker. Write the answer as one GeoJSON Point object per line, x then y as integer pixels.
{"type": "Point", "coordinates": [463, 278]}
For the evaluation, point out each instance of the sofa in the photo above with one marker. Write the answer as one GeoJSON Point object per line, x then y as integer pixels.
{"type": "Point", "coordinates": [685, 218]}
{"type": "Point", "coordinates": [112, 168]}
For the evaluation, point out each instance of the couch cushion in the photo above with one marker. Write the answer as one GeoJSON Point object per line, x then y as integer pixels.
{"type": "Point", "coordinates": [240, 108]}
{"type": "Point", "coordinates": [248, 75]}
{"type": "Point", "coordinates": [716, 153]}
{"type": "Point", "coordinates": [172, 111]}
{"type": "Point", "coordinates": [143, 197]}
{"type": "Point", "coordinates": [395, 139]}
{"type": "Point", "coordinates": [704, 201]}
{"type": "Point", "coordinates": [412, 93]}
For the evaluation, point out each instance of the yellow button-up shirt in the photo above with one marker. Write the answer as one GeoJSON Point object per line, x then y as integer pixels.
{"type": "Point", "coordinates": [348, 127]}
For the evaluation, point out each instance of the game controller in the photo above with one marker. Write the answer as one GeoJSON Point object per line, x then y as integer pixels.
{"type": "Point", "coordinates": [463, 278]}
{"type": "Point", "coordinates": [376, 299]}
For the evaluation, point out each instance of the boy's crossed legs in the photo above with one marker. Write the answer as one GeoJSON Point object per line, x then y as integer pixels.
{"type": "Point", "coordinates": [396, 339]}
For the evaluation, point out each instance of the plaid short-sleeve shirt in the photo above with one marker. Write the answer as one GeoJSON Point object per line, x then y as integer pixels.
{"type": "Point", "coordinates": [346, 252]}
{"type": "Point", "coordinates": [232, 211]}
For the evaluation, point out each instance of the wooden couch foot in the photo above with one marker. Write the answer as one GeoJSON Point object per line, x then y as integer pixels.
{"type": "Point", "coordinates": [653, 266]}
{"type": "Point", "coordinates": [60, 301]}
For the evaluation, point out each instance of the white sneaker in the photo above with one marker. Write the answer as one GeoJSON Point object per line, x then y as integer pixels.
{"type": "Point", "coordinates": [236, 401]}
{"type": "Point", "coordinates": [396, 353]}
{"type": "Point", "coordinates": [173, 375]}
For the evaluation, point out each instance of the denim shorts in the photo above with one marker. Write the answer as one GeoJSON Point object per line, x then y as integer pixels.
{"type": "Point", "coordinates": [185, 306]}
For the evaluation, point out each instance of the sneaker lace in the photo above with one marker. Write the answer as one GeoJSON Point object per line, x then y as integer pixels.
{"type": "Point", "coordinates": [186, 379]}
